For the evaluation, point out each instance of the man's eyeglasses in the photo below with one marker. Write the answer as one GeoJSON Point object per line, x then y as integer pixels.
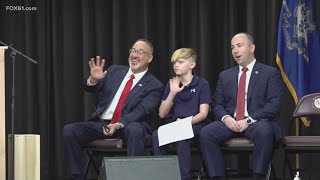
{"type": "Point", "coordinates": [139, 52]}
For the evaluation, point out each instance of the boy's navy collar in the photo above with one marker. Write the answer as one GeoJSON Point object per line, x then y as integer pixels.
{"type": "Point", "coordinates": [194, 81]}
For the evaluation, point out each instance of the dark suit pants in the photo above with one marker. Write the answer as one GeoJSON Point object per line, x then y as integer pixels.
{"type": "Point", "coordinates": [78, 134]}
{"type": "Point", "coordinates": [216, 133]}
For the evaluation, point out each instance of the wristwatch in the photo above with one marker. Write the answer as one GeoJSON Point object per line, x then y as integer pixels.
{"type": "Point", "coordinates": [249, 120]}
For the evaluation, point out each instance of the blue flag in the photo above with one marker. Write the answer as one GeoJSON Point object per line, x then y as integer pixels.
{"type": "Point", "coordinates": [298, 52]}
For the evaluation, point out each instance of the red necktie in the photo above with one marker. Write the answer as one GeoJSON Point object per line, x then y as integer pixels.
{"type": "Point", "coordinates": [117, 113]}
{"type": "Point", "coordinates": [241, 95]}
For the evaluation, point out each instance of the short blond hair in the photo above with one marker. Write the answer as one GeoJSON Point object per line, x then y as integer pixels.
{"type": "Point", "coordinates": [184, 53]}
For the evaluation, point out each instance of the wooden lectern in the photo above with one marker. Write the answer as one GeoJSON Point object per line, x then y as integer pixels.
{"type": "Point", "coordinates": [26, 157]}
{"type": "Point", "coordinates": [2, 115]}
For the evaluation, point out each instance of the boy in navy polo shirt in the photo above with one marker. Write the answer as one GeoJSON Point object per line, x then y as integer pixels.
{"type": "Point", "coordinates": [185, 95]}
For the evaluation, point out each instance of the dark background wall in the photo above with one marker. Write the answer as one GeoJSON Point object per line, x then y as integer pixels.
{"type": "Point", "coordinates": [63, 35]}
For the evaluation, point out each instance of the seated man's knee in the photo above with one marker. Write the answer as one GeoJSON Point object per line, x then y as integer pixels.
{"type": "Point", "coordinates": [68, 130]}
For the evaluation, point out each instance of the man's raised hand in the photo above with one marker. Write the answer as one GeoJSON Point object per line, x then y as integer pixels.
{"type": "Point", "coordinates": [96, 69]}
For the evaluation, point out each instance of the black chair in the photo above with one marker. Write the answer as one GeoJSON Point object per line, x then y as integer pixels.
{"type": "Point", "coordinates": [309, 105]}
{"type": "Point", "coordinates": [238, 145]}
{"type": "Point", "coordinates": [113, 147]}
{"type": "Point", "coordinates": [108, 147]}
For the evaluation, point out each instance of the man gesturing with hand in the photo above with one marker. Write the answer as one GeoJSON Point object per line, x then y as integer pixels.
{"type": "Point", "coordinates": [127, 97]}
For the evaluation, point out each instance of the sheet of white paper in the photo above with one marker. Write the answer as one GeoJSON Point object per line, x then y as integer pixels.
{"type": "Point", "coordinates": [175, 131]}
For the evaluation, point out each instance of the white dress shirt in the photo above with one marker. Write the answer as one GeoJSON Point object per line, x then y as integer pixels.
{"type": "Point", "coordinates": [248, 75]}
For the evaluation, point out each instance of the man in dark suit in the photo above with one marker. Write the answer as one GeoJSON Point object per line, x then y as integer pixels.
{"type": "Point", "coordinates": [250, 110]}
{"type": "Point", "coordinates": [127, 97]}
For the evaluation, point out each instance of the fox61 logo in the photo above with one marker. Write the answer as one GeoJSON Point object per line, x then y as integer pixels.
{"type": "Point", "coordinates": [20, 8]}
{"type": "Point", "coordinates": [14, 8]}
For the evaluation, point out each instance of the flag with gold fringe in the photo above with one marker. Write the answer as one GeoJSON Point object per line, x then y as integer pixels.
{"type": "Point", "coordinates": [298, 51]}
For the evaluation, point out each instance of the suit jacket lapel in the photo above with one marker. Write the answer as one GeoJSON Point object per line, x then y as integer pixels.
{"type": "Point", "coordinates": [114, 86]}
{"type": "Point", "coordinates": [117, 82]}
{"type": "Point", "coordinates": [234, 80]}
{"type": "Point", "coordinates": [256, 71]}
{"type": "Point", "coordinates": [140, 84]}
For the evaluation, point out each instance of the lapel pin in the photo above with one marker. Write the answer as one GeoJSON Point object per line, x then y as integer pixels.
{"type": "Point", "coordinates": [256, 72]}
{"type": "Point", "coordinates": [140, 85]}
